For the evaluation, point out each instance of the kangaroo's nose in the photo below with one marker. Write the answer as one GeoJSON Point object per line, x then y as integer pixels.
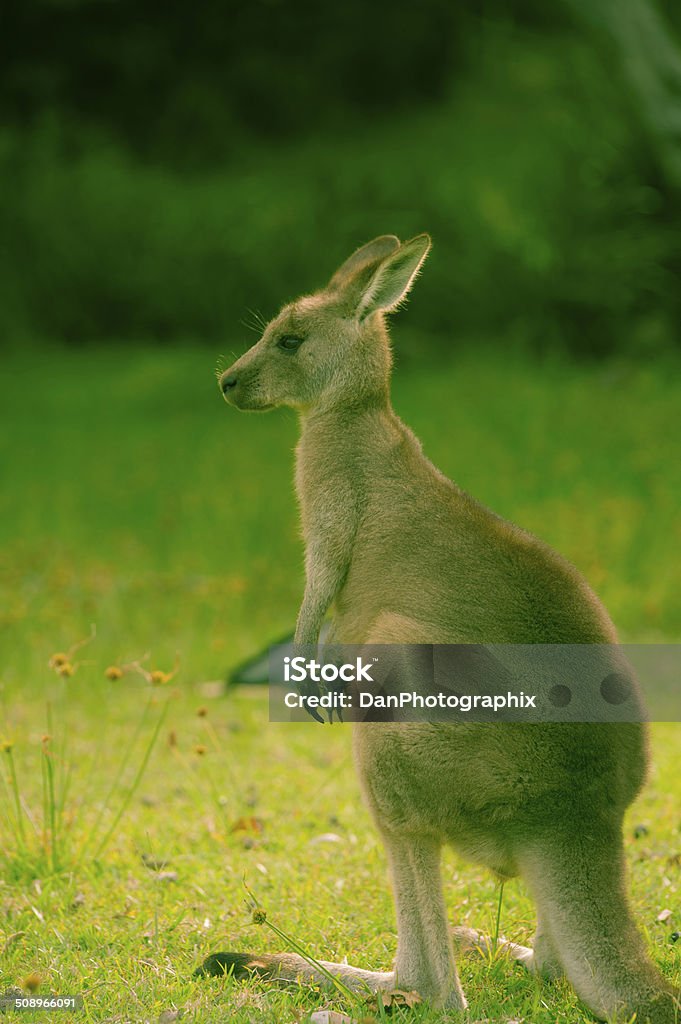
{"type": "Point", "coordinates": [228, 383]}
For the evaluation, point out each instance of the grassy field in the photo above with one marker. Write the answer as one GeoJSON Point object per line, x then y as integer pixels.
{"type": "Point", "coordinates": [135, 501]}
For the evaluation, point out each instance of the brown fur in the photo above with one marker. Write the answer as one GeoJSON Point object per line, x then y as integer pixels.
{"type": "Point", "coordinates": [402, 555]}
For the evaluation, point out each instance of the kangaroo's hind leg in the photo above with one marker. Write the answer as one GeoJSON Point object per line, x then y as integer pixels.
{"type": "Point", "coordinates": [425, 956]}
{"type": "Point", "coordinates": [577, 879]}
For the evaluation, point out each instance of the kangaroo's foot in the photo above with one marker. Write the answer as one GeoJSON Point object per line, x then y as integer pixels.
{"type": "Point", "coordinates": [538, 958]}
{"type": "Point", "coordinates": [290, 969]}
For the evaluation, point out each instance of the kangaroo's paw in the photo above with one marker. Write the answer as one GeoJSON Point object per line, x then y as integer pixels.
{"type": "Point", "coordinates": [470, 940]}
{"type": "Point", "coordinates": [539, 959]}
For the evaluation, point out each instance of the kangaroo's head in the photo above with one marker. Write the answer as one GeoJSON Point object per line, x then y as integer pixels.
{"type": "Point", "coordinates": [330, 348]}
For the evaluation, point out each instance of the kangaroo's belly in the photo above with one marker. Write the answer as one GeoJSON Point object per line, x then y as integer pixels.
{"type": "Point", "coordinates": [483, 788]}
{"type": "Point", "coordinates": [430, 578]}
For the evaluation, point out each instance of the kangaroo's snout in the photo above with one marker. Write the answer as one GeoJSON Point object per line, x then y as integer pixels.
{"type": "Point", "coordinates": [241, 386]}
{"type": "Point", "coordinates": [228, 385]}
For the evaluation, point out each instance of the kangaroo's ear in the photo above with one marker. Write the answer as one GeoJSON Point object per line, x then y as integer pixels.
{"type": "Point", "coordinates": [366, 256]}
{"type": "Point", "coordinates": [393, 278]}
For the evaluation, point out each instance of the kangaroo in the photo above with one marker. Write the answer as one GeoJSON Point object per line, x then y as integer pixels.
{"type": "Point", "coordinates": [405, 556]}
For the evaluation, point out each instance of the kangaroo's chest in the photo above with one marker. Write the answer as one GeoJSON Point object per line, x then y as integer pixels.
{"type": "Point", "coordinates": [328, 500]}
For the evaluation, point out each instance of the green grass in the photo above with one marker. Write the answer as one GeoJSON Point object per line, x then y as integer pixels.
{"type": "Point", "coordinates": [133, 499]}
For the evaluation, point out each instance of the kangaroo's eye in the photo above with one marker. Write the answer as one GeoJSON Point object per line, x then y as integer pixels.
{"type": "Point", "coordinates": [289, 343]}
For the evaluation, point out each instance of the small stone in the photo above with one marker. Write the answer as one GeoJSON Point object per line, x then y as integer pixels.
{"type": "Point", "coordinates": [331, 1017]}
{"type": "Point", "coordinates": [169, 1016]}
{"type": "Point", "coordinates": [640, 831]}
{"type": "Point", "coordinates": [664, 916]}
{"type": "Point", "coordinates": [325, 837]}
{"type": "Point", "coordinates": [212, 688]}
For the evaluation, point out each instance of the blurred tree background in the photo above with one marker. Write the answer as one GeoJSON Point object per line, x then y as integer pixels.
{"type": "Point", "coordinates": [163, 167]}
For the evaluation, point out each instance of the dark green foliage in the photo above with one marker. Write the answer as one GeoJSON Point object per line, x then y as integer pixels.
{"type": "Point", "coordinates": [520, 154]}
{"type": "Point", "coordinates": [188, 85]}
